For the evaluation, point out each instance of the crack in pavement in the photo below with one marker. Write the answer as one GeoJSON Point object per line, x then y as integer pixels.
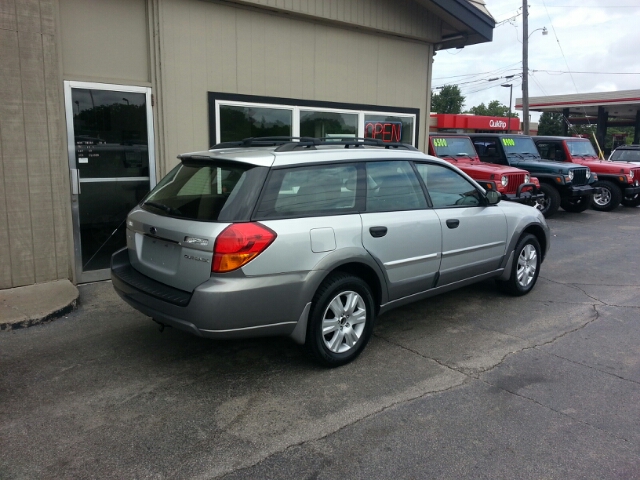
{"type": "Point", "coordinates": [474, 376]}
{"type": "Point", "coordinates": [364, 417]}
{"type": "Point", "coordinates": [571, 285]}
{"type": "Point", "coordinates": [524, 397]}
{"type": "Point", "coordinates": [576, 286]}
{"type": "Point", "coordinates": [575, 362]}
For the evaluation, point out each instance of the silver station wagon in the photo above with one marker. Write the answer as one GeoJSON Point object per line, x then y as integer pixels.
{"type": "Point", "coordinates": [313, 238]}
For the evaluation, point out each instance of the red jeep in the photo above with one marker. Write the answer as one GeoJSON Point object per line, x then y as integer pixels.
{"type": "Point", "coordinates": [513, 184]}
{"type": "Point", "coordinates": [618, 181]}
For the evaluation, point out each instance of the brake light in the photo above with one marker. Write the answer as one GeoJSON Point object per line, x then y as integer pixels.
{"type": "Point", "coordinates": [238, 244]}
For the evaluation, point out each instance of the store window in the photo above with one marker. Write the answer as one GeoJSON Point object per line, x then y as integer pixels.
{"type": "Point", "coordinates": [327, 124]}
{"type": "Point", "coordinates": [233, 117]}
{"type": "Point", "coordinates": [238, 122]}
{"type": "Point", "coordinates": [389, 128]}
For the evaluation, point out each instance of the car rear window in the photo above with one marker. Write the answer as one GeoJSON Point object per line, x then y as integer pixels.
{"type": "Point", "coordinates": [208, 191]}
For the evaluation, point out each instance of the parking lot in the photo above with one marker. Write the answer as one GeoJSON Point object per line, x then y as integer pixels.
{"type": "Point", "coordinates": [470, 384]}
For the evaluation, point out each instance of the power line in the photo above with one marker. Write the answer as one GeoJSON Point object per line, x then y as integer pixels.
{"type": "Point", "coordinates": [539, 86]}
{"type": "Point", "coordinates": [592, 6]}
{"type": "Point", "coordinates": [564, 57]}
{"type": "Point", "coordinates": [480, 73]}
{"type": "Point", "coordinates": [560, 72]}
{"type": "Point", "coordinates": [480, 80]}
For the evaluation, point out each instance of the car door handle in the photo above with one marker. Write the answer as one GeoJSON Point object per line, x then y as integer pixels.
{"type": "Point", "coordinates": [453, 223]}
{"type": "Point", "coordinates": [378, 232]}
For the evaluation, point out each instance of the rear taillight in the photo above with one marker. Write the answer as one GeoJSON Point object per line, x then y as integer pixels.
{"type": "Point", "coordinates": [238, 244]}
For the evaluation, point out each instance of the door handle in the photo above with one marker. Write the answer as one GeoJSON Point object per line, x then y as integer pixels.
{"type": "Point", "coordinates": [378, 232]}
{"type": "Point", "coordinates": [75, 181]}
{"type": "Point", "coordinates": [453, 223]}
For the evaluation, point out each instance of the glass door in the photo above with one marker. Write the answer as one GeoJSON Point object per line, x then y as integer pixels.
{"type": "Point", "coordinates": [112, 167]}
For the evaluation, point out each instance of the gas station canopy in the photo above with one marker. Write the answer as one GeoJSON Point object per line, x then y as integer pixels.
{"type": "Point", "coordinates": [616, 109]}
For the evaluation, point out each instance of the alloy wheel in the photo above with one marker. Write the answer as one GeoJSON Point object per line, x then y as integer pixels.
{"type": "Point", "coordinates": [603, 199]}
{"type": "Point", "coordinates": [527, 265]}
{"type": "Point", "coordinates": [343, 321]}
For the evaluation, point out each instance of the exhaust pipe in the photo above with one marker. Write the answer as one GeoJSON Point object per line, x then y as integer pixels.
{"type": "Point", "coordinates": [160, 325]}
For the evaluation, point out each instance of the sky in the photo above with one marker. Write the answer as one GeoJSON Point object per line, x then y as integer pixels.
{"type": "Point", "coordinates": [597, 36]}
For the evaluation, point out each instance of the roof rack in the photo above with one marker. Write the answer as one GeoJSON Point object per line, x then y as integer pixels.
{"type": "Point", "coordinates": [288, 144]}
{"type": "Point", "coordinates": [265, 142]}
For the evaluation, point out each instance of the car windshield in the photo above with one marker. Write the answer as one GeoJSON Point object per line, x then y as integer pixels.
{"type": "Point", "coordinates": [519, 145]}
{"type": "Point", "coordinates": [453, 146]}
{"type": "Point", "coordinates": [626, 155]}
{"type": "Point", "coordinates": [577, 148]}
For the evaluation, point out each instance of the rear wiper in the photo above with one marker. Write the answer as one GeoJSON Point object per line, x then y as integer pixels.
{"type": "Point", "coordinates": [164, 207]}
{"type": "Point", "coordinates": [463, 155]}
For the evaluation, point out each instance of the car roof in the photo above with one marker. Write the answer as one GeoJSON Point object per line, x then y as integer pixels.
{"type": "Point", "coordinates": [446, 134]}
{"type": "Point", "coordinates": [271, 156]}
{"type": "Point", "coordinates": [628, 147]}
{"type": "Point", "coordinates": [472, 135]}
{"type": "Point", "coordinates": [558, 137]}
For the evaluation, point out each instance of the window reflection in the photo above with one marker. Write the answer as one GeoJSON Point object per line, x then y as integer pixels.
{"type": "Point", "coordinates": [238, 122]}
{"type": "Point", "coordinates": [327, 124]}
{"type": "Point", "coordinates": [110, 130]}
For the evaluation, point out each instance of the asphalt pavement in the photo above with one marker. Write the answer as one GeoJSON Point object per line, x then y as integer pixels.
{"type": "Point", "coordinates": [471, 384]}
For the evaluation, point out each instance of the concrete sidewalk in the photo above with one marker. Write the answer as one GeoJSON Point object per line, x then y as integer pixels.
{"type": "Point", "coordinates": [26, 306]}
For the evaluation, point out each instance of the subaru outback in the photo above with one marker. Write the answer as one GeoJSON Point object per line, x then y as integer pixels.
{"type": "Point", "coordinates": [313, 239]}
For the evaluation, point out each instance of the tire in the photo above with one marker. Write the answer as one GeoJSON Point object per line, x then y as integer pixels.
{"type": "Point", "coordinates": [525, 268]}
{"type": "Point", "coordinates": [341, 320]}
{"type": "Point", "coordinates": [576, 204]}
{"type": "Point", "coordinates": [631, 201]}
{"type": "Point", "coordinates": [610, 197]}
{"type": "Point", "coordinates": [551, 201]}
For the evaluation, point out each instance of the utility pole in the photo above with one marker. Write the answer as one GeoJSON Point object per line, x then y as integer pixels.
{"type": "Point", "coordinates": [510, 85]}
{"type": "Point", "coordinates": [525, 67]}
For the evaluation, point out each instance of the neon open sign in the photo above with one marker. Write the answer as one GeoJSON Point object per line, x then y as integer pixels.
{"type": "Point", "coordinates": [385, 131]}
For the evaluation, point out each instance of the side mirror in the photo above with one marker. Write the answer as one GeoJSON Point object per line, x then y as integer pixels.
{"type": "Point", "coordinates": [493, 197]}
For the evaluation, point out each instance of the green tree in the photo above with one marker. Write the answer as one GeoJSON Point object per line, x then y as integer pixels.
{"type": "Point", "coordinates": [550, 124]}
{"type": "Point", "coordinates": [493, 109]}
{"type": "Point", "coordinates": [449, 100]}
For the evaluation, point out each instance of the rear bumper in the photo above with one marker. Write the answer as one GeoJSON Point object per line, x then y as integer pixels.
{"type": "Point", "coordinates": [222, 307]}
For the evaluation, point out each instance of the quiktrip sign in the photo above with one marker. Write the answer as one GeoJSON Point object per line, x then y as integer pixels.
{"type": "Point", "coordinates": [476, 122]}
{"type": "Point", "coordinates": [501, 124]}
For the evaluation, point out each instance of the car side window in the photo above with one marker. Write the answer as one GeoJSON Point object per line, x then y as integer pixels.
{"type": "Point", "coordinates": [309, 191]}
{"type": "Point", "coordinates": [544, 148]}
{"type": "Point", "coordinates": [551, 151]}
{"type": "Point", "coordinates": [488, 150]}
{"type": "Point", "coordinates": [448, 188]}
{"type": "Point", "coordinates": [393, 186]}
